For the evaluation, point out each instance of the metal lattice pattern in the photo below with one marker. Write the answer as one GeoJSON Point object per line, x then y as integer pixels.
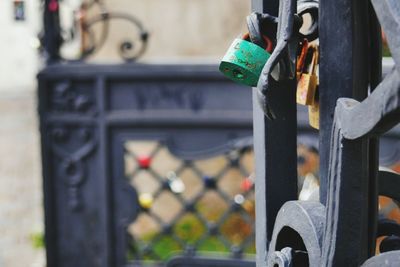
{"type": "Point", "coordinates": [190, 205]}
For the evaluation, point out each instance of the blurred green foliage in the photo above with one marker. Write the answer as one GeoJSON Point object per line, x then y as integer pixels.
{"type": "Point", "coordinates": [37, 240]}
{"type": "Point", "coordinates": [386, 51]}
{"type": "Point", "coordinates": [192, 231]}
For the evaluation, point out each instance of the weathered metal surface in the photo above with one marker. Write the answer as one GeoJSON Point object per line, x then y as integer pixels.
{"type": "Point", "coordinates": [388, 12]}
{"type": "Point", "coordinates": [388, 259]}
{"type": "Point", "coordinates": [346, 225]}
{"type": "Point", "coordinates": [300, 226]}
{"type": "Point", "coordinates": [349, 190]}
{"type": "Point", "coordinates": [374, 116]}
{"type": "Point", "coordinates": [275, 182]}
{"type": "Point", "coordinates": [282, 258]}
{"type": "Point", "coordinates": [243, 62]}
{"type": "Point", "coordinates": [284, 51]}
{"type": "Point", "coordinates": [336, 68]}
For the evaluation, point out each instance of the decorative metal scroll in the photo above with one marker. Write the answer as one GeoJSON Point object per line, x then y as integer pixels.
{"type": "Point", "coordinates": [310, 234]}
{"type": "Point", "coordinates": [84, 24]}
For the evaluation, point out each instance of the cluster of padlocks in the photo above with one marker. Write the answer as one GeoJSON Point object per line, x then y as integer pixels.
{"type": "Point", "coordinates": [307, 80]}
{"type": "Point", "coordinates": [247, 57]}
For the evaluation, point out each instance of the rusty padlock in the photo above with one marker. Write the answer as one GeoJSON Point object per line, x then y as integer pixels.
{"type": "Point", "coordinates": [313, 114]}
{"type": "Point", "coordinates": [307, 83]}
{"type": "Point", "coordinates": [303, 48]}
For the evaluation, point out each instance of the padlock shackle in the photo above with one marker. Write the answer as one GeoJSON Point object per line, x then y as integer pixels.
{"type": "Point", "coordinates": [268, 42]}
{"type": "Point", "coordinates": [302, 59]}
{"type": "Point", "coordinates": [310, 60]}
{"type": "Point", "coordinates": [315, 57]}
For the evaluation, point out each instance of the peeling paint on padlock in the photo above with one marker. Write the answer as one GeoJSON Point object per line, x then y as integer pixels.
{"type": "Point", "coordinates": [308, 81]}
{"type": "Point", "coordinates": [244, 62]}
{"type": "Point", "coordinates": [313, 115]}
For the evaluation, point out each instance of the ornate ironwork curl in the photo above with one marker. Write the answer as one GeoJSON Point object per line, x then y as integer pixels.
{"type": "Point", "coordinates": [129, 49]}
{"type": "Point", "coordinates": [299, 226]}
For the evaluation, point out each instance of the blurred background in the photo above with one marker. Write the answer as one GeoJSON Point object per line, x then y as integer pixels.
{"type": "Point", "coordinates": [179, 31]}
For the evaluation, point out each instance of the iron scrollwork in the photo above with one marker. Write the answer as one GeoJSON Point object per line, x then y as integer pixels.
{"type": "Point", "coordinates": [72, 167]}
{"type": "Point", "coordinates": [84, 24]}
{"type": "Point", "coordinates": [336, 234]}
{"type": "Point", "coordinates": [67, 98]}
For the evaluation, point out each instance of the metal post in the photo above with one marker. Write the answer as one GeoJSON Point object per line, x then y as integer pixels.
{"type": "Point", "coordinates": [344, 72]}
{"type": "Point", "coordinates": [275, 153]}
{"type": "Point", "coordinates": [375, 72]}
{"type": "Point", "coordinates": [52, 37]}
{"type": "Point", "coordinates": [343, 67]}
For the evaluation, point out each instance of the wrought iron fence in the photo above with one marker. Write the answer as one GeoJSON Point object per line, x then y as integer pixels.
{"type": "Point", "coordinates": [122, 142]}
{"type": "Point", "coordinates": [118, 161]}
{"type": "Point", "coordinates": [356, 109]}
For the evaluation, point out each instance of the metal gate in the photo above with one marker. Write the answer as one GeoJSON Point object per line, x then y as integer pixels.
{"type": "Point", "coordinates": [356, 109]}
{"type": "Point", "coordinates": [120, 143]}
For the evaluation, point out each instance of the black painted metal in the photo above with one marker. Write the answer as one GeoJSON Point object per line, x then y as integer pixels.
{"type": "Point", "coordinates": [52, 32]}
{"type": "Point", "coordinates": [276, 170]}
{"type": "Point", "coordinates": [375, 73]}
{"type": "Point", "coordinates": [389, 182]}
{"type": "Point", "coordinates": [89, 112]}
{"type": "Point", "coordinates": [344, 233]}
{"type": "Point", "coordinates": [339, 61]}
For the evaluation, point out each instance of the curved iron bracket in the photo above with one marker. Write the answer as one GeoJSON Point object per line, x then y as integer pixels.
{"type": "Point", "coordinates": [284, 54]}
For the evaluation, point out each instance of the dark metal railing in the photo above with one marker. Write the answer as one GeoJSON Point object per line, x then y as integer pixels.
{"type": "Point", "coordinates": [100, 188]}
{"type": "Point", "coordinates": [356, 109]}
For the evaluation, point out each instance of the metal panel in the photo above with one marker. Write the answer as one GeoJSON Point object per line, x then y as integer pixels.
{"type": "Point", "coordinates": [87, 114]}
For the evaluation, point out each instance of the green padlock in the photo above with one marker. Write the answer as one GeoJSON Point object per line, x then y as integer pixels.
{"type": "Point", "coordinates": [244, 62]}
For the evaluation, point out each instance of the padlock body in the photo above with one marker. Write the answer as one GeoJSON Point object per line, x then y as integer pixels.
{"type": "Point", "coordinates": [306, 87]}
{"type": "Point", "coordinates": [313, 115]}
{"type": "Point", "coordinates": [244, 62]}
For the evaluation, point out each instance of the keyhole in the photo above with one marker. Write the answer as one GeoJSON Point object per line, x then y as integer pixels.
{"type": "Point", "coordinates": [238, 74]}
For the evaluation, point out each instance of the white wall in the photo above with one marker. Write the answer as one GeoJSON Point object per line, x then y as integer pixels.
{"type": "Point", "coordinates": [21, 212]}
{"type": "Point", "coordinates": [179, 29]}
{"type": "Point", "coordinates": [18, 58]}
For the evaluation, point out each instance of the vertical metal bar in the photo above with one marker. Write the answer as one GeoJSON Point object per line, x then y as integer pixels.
{"type": "Point", "coordinates": [266, 6]}
{"type": "Point", "coordinates": [334, 74]}
{"type": "Point", "coordinates": [344, 72]}
{"type": "Point", "coordinates": [375, 72]}
{"type": "Point", "coordinates": [48, 183]}
{"type": "Point", "coordinates": [104, 179]}
{"type": "Point", "coordinates": [343, 66]}
{"type": "Point", "coordinates": [275, 153]}
{"type": "Point", "coordinates": [52, 37]}
{"type": "Point", "coordinates": [360, 81]}
{"type": "Point", "coordinates": [346, 212]}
